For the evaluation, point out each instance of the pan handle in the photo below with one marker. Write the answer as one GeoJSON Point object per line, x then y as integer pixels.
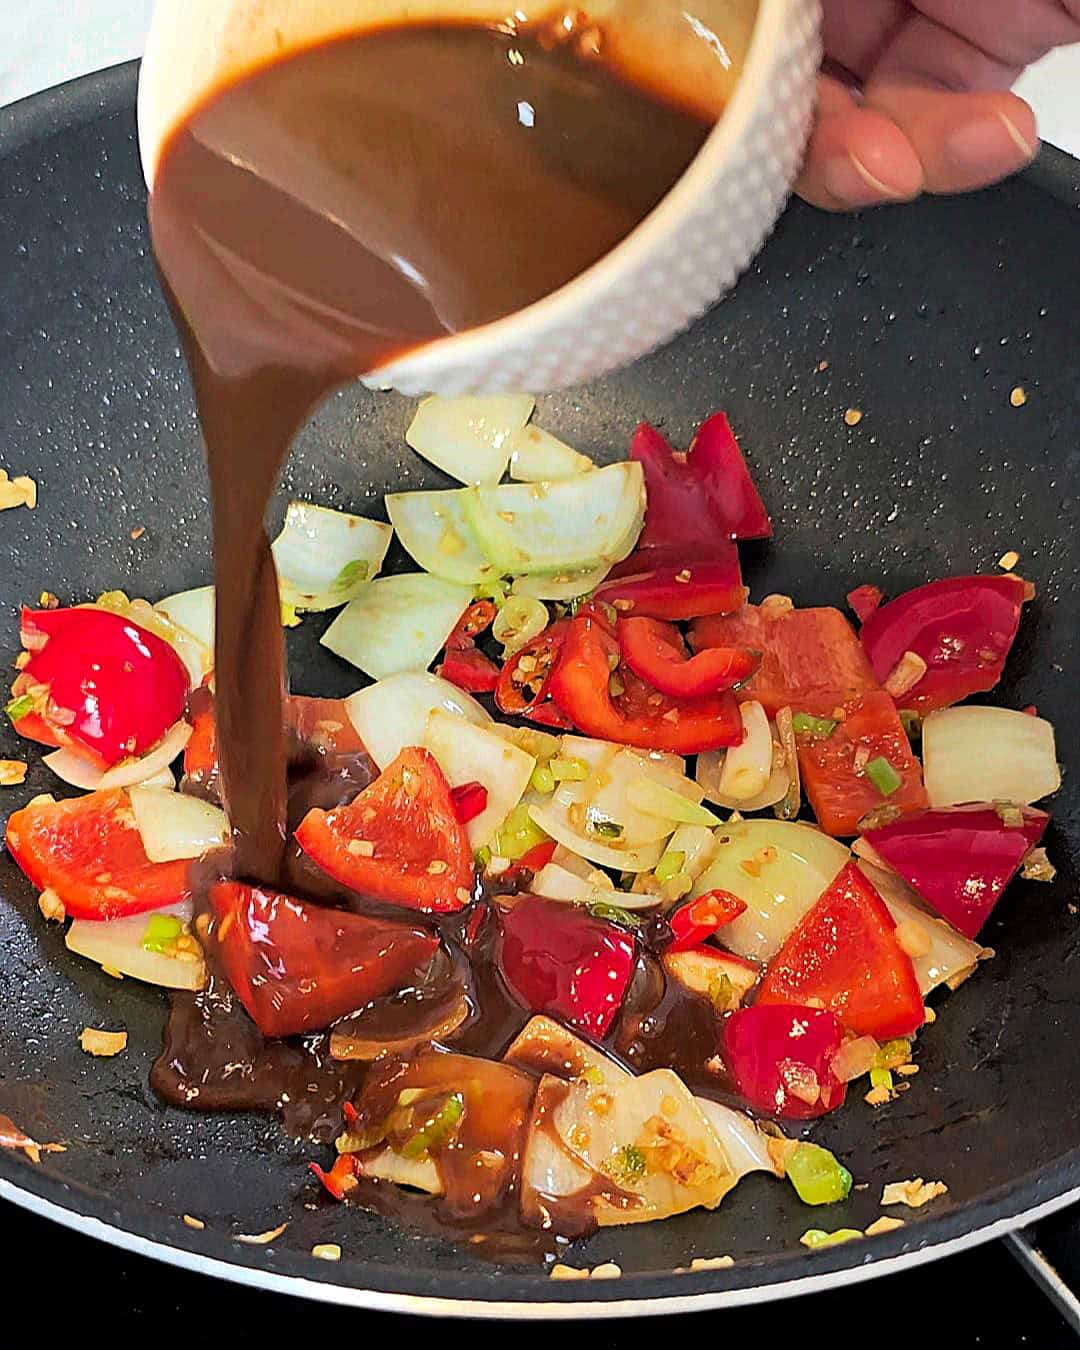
{"type": "Point", "coordinates": [1024, 1246]}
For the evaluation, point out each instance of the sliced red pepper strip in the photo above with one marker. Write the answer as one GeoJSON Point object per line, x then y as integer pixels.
{"type": "Point", "coordinates": [114, 688]}
{"type": "Point", "coordinates": [522, 688]}
{"type": "Point", "coordinates": [477, 619]}
{"type": "Point", "coordinates": [640, 716]}
{"type": "Point", "coordinates": [706, 493]}
{"type": "Point", "coordinates": [656, 652]}
{"type": "Point", "coordinates": [962, 628]}
{"type": "Point", "coordinates": [833, 767]}
{"type": "Point", "coordinates": [533, 859]}
{"type": "Point", "coordinates": [342, 1176]}
{"type": "Point", "coordinates": [298, 967]}
{"type": "Point", "coordinates": [811, 659]}
{"type": "Point", "coordinates": [558, 959]}
{"type": "Point", "coordinates": [960, 860]}
{"type": "Point", "coordinates": [470, 669]}
{"type": "Point", "coordinates": [682, 589]}
{"type": "Point", "coordinates": [781, 1056]}
{"type": "Point", "coordinates": [89, 852]}
{"type": "Point", "coordinates": [698, 919]}
{"type": "Point", "coordinates": [864, 600]}
{"type": "Point", "coordinates": [844, 954]}
{"type": "Point", "coordinates": [470, 800]}
{"type": "Point", "coordinates": [399, 840]}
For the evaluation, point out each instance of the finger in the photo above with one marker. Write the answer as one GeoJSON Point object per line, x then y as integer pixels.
{"type": "Point", "coordinates": [1014, 34]}
{"type": "Point", "coordinates": [856, 156]}
{"type": "Point", "coordinates": [963, 140]}
{"type": "Point", "coordinates": [854, 35]}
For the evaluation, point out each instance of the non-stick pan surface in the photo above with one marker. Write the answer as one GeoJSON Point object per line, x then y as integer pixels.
{"type": "Point", "coordinates": [928, 316]}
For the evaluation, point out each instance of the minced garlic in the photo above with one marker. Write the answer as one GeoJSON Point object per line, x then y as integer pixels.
{"type": "Point", "coordinates": [914, 1194]}
{"type": "Point", "coordinates": [103, 1044]}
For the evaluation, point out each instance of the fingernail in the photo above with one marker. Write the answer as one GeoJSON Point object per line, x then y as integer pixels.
{"type": "Point", "coordinates": [849, 180]}
{"type": "Point", "coordinates": [981, 151]}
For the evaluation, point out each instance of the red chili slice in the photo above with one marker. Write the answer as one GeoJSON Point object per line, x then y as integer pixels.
{"type": "Point", "coordinates": [698, 919]}
{"type": "Point", "coordinates": [469, 669]}
{"type": "Point", "coordinates": [523, 683]}
{"type": "Point", "coordinates": [656, 652]}
{"type": "Point", "coordinates": [477, 619]}
{"type": "Point", "coordinates": [470, 800]}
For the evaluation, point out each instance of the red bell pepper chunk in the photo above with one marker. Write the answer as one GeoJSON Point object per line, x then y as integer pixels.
{"type": "Point", "coordinates": [399, 840]}
{"type": "Point", "coordinates": [844, 955]}
{"type": "Point", "coordinates": [477, 619]}
{"type": "Point", "coordinates": [653, 584]}
{"type": "Point", "coordinates": [706, 493]}
{"type": "Point", "coordinates": [864, 600]}
{"type": "Point", "coordinates": [656, 652]}
{"type": "Point", "coordinates": [470, 669]}
{"type": "Point", "coordinates": [640, 715]}
{"type": "Point", "coordinates": [811, 659]}
{"type": "Point", "coordinates": [698, 919]}
{"type": "Point", "coordinates": [780, 1058]}
{"type": "Point", "coordinates": [470, 800]}
{"type": "Point", "coordinates": [960, 860]}
{"type": "Point", "coordinates": [833, 767]}
{"type": "Point", "coordinates": [340, 1179]}
{"type": "Point", "coordinates": [298, 967]}
{"type": "Point", "coordinates": [534, 859]}
{"type": "Point", "coordinates": [557, 959]}
{"type": "Point", "coordinates": [962, 628]}
{"type": "Point", "coordinates": [523, 684]}
{"type": "Point", "coordinates": [114, 688]}
{"type": "Point", "coordinates": [89, 852]}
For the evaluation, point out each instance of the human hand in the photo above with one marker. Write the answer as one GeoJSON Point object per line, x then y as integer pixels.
{"type": "Point", "coordinates": [914, 96]}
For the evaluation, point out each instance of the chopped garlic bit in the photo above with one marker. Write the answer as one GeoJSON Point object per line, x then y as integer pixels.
{"type": "Point", "coordinates": [326, 1251]}
{"type": "Point", "coordinates": [192, 1222]}
{"type": "Point", "coordinates": [1038, 867]}
{"type": "Point", "coordinates": [712, 1262]}
{"type": "Point", "coordinates": [886, 1224]}
{"type": "Point", "coordinates": [853, 416]}
{"type": "Point", "coordinates": [261, 1239]}
{"type": "Point", "coordinates": [1008, 561]}
{"type": "Point", "coordinates": [905, 675]}
{"type": "Point", "coordinates": [12, 772]}
{"type": "Point", "coordinates": [560, 1272]}
{"type": "Point", "coordinates": [1018, 397]}
{"type": "Point", "coordinates": [12, 1137]}
{"type": "Point", "coordinates": [914, 1194]}
{"type": "Point", "coordinates": [21, 491]}
{"type": "Point", "coordinates": [51, 906]}
{"type": "Point", "coordinates": [103, 1044]}
{"type": "Point", "coordinates": [607, 1271]}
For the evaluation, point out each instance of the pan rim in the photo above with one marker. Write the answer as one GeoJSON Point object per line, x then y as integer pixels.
{"type": "Point", "coordinates": [489, 1293]}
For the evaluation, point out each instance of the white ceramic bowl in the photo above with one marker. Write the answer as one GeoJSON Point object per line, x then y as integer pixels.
{"type": "Point", "coordinates": [681, 259]}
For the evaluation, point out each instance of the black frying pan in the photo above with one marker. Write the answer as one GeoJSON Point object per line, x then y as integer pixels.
{"type": "Point", "coordinates": [928, 316]}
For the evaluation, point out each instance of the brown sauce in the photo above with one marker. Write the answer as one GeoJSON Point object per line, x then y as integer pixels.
{"type": "Point", "coordinates": [313, 220]}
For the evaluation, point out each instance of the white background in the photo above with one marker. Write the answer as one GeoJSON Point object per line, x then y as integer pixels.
{"type": "Point", "coordinates": [52, 40]}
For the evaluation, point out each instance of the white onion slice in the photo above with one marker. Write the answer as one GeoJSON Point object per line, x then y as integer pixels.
{"type": "Point", "coordinates": [193, 611]}
{"type": "Point", "coordinates": [175, 825]}
{"type": "Point", "coordinates": [536, 456]}
{"type": "Point", "coordinates": [572, 525]}
{"type": "Point", "coordinates": [467, 753]}
{"type": "Point", "coordinates": [433, 531]}
{"type": "Point", "coordinates": [79, 771]}
{"type": "Point", "coordinates": [697, 844]}
{"type": "Point", "coordinates": [397, 623]}
{"type": "Point", "coordinates": [393, 713]}
{"type": "Point", "coordinates": [605, 793]}
{"type": "Point", "coordinates": [558, 883]}
{"type": "Point", "coordinates": [787, 868]}
{"type": "Point", "coordinates": [979, 754]}
{"type": "Point", "coordinates": [563, 586]}
{"type": "Point", "coordinates": [952, 957]}
{"type": "Point", "coordinates": [748, 765]}
{"type": "Point", "coordinates": [421, 1174]}
{"type": "Point", "coordinates": [676, 805]}
{"type": "Point", "coordinates": [746, 1147]}
{"type": "Point", "coordinates": [117, 945]}
{"type": "Point", "coordinates": [139, 770]}
{"type": "Point", "coordinates": [552, 820]}
{"type": "Point", "coordinates": [710, 768]}
{"type": "Point", "coordinates": [469, 438]}
{"type": "Point", "coordinates": [325, 558]}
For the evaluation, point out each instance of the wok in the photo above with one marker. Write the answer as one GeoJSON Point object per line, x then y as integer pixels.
{"type": "Point", "coordinates": [928, 316]}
